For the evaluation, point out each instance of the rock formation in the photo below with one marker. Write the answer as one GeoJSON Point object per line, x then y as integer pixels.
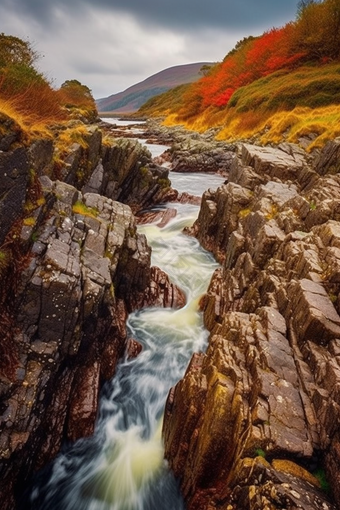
{"type": "Point", "coordinates": [72, 267]}
{"type": "Point", "coordinates": [255, 419]}
{"type": "Point", "coordinates": [188, 151]}
{"type": "Point", "coordinates": [254, 423]}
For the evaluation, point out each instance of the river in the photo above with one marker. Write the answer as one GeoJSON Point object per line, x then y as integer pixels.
{"type": "Point", "coordinates": [121, 467]}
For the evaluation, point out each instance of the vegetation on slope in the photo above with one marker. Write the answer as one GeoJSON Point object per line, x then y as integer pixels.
{"type": "Point", "coordinates": [28, 97]}
{"type": "Point", "coordinates": [290, 69]}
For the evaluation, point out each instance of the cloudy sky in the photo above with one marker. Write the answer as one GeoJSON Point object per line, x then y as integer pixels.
{"type": "Point", "coordinates": [110, 45]}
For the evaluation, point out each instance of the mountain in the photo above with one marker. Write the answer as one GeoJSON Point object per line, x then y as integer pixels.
{"type": "Point", "coordinates": [131, 99]}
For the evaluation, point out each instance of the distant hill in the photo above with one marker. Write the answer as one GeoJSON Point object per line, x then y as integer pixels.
{"type": "Point", "coordinates": [131, 99]}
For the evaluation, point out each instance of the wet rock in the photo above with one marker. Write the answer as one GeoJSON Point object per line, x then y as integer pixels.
{"type": "Point", "coordinates": [187, 198]}
{"type": "Point", "coordinates": [160, 292]}
{"type": "Point", "coordinates": [133, 348]}
{"type": "Point", "coordinates": [158, 217]}
{"type": "Point", "coordinates": [281, 484]}
{"type": "Point", "coordinates": [83, 402]}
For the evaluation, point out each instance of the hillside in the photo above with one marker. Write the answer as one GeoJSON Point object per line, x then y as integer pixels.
{"type": "Point", "coordinates": [131, 99]}
{"type": "Point", "coordinates": [282, 85]}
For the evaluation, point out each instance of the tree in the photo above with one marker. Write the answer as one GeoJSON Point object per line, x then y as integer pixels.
{"type": "Point", "coordinates": [318, 29]}
{"type": "Point", "coordinates": [16, 51]}
{"type": "Point", "coordinates": [75, 97]}
{"type": "Point", "coordinates": [302, 5]}
{"type": "Point", "coordinates": [205, 69]}
{"type": "Point", "coordinates": [76, 92]}
{"type": "Point", "coordinates": [332, 28]}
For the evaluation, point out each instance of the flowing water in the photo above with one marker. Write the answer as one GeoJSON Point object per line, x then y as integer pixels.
{"type": "Point", "coordinates": [121, 467]}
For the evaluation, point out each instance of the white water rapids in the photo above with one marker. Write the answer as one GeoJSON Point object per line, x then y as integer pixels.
{"type": "Point", "coordinates": [121, 467]}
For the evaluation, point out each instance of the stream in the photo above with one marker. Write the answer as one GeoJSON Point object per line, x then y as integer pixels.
{"type": "Point", "coordinates": [121, 467]}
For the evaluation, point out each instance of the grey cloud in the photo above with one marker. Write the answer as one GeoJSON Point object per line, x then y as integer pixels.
{"type": "Point", "coordinates": [179, 14]}
{"type": "Point", "coordinates": [112, 44]}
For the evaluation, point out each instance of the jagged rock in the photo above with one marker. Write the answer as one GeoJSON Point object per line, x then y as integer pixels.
{"type": "Point", "coordinates": [250, 394]}
{"type": "Point", "coordinates": [191, 151]}
{"type": "Point", "coordinates": [66, 303]}
{"type": "Point", "coordinates": [131, 177]}
{"type": "Point", "coordinates": [201, 157]}
{"type": "Point", "coordinates": [219, 217]}
{"type": "Point", "coordinates": [40, 154]}
{"type": "Point", "coordinates": [314, 315]}
{"type": "Point", "coordinates": [187, 198]}
{"type": "Point", "coordinates": [78, 161]}
{"type": "Point", "coordinates": [158, 217]}
{"type": "Point", "coordinates": [290, 486]}
{"type": "Point", "coordinates": [329, 159]}
{"type": "Point", "coordinates": [269, 381]}
{"type": "Point", "coordinates": [133, 348]}
{"type": "Point", "coordinates": [83, 402]}
{"type": "Point", "coordinates": [160, 292]}
{"type": "Point", "coordinates": [287, 162]}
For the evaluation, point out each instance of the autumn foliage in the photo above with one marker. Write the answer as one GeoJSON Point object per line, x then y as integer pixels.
{"type": "Point", "coordinates": [255, 58]}
{"type": "Point", "coordinates": [285, 68]}
{"type": "Point", "coordinates": [313, 39]}
{"type": "Point", "coordinates": [28, 96]}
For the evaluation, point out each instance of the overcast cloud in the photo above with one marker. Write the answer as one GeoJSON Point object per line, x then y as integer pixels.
{"type": "Point", "coordinates": [110, 45]}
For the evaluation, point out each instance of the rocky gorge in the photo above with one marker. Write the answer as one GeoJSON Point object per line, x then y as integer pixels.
{"type": "Point", "coordinates": [72, 267]}
{"type": "Point", "coordinates": [255, 418]}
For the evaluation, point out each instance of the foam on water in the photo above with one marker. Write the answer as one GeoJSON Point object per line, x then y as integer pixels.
{"type": "Point", "coordinates": [121, 467]}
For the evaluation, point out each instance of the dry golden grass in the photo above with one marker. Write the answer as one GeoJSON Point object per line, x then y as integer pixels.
{"type": "Point", "coordinates": [319, 125]}
{"type": "Point", "coordinates": [31, 123]}
{"type": "Point", "coordinates": [37, 107]}
{"type": "Point", "coordinates": [73, 134]}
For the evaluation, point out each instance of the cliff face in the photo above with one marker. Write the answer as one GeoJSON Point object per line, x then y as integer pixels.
{"type": "Point", "coordinates": [258, 414]}
{"type": "Point", "coordinates": [72, 267]}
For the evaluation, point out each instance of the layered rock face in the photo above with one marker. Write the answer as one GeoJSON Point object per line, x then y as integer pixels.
{"type": "Point", "coordinates": [257, 416]}
{"type": "Point", "coordinates": [72, 267]}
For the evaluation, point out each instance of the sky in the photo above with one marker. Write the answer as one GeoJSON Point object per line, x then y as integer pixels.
{"type": "Point", "coordinates": [110, 45]}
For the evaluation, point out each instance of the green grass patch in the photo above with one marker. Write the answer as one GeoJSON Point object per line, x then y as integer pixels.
{"type": "Point", "coordinates": [80, 208]}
